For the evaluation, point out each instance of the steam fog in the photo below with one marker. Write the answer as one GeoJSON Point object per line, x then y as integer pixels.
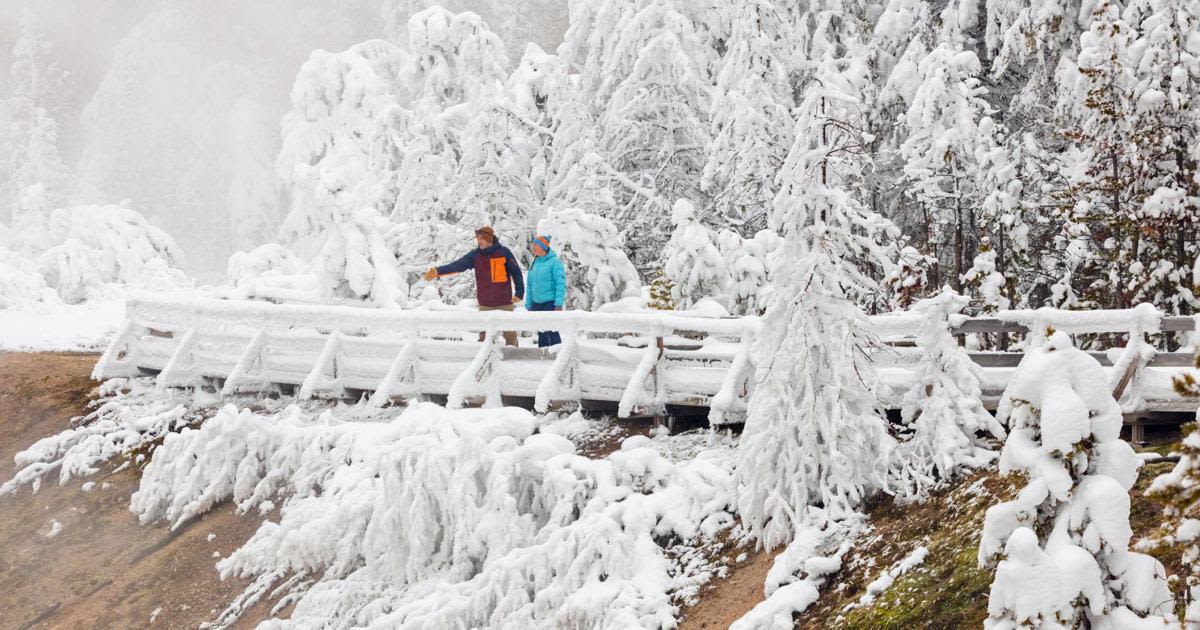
{"type": "Point", "coordinates": [173, 106]}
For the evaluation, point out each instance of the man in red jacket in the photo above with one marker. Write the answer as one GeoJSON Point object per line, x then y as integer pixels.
{"type": "Point", "coordinates": [495, 272]}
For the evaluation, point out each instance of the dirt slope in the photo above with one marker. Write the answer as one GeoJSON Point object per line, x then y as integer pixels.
{"type": "Point", "coordinates": [102, 569]}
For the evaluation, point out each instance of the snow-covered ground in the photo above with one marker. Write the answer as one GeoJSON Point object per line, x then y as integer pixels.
{"type": "Point", "coordinates": [41, 327]}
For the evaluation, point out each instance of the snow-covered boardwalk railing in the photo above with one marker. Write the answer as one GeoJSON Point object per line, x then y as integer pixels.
{"type": "Point", "coordinates": [642, 362]}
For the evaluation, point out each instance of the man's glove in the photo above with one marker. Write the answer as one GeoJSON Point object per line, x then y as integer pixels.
{"type": "Point", "coordinates": [431, 274]}
{"type": "Point", "coordinates": [518, 300]}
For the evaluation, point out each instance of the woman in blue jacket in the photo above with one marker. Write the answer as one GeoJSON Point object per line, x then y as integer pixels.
{"type": "Point", "coordinates": [545, 286]}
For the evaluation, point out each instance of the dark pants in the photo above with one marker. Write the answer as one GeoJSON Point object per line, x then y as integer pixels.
{"type": "Point", "coordinates": [550, 337]}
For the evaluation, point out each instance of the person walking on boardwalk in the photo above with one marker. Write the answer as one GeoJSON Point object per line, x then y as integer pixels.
{"type": "Point", "coordinates": [496, 271]}
{"type": "Point", "coordinates": [546, 286]}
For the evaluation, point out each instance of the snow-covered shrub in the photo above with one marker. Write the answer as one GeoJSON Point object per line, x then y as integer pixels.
{"type": "Point", "coordinates": [20, 281]}
{"type": "Point", "coordinates": [908, 281]}
{"type": "Point", "coordinates": [264, 261]}
{"type": "Point", "coordinates": [441, 519]}
{"type": "Point", "coordinates": [747, 260]}
{"type": "Point", "coordinates": [943, 409]}
{"type": "Point", "coordinates": [598, 271]}
{"type": "Point", "coordinates": [694, 264]}
{"type": "Point", "coordinates": [100, 246]}
{"type": "Point", "coordinates": [355, 261]}
{"type": "Point", "coordinates": [274, 272]}
{"type": "Point", "coordinates": [1063, 542]}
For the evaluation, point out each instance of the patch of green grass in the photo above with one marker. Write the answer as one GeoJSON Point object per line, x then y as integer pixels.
{"type": "Point", "coordinates": [1164, 449]}
{"type": "Point", "coordinates": [948, 590]}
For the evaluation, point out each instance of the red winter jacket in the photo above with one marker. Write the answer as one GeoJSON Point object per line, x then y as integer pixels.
{"type": "Point", "coordinates": [496, 270]}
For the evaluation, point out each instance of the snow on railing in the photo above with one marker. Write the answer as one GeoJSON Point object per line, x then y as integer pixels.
{"type": "Point", "coordinates": [241, 335]}
{"type": "Point", "coordinates": [641, 361]}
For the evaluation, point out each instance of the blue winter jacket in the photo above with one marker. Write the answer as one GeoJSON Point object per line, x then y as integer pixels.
{"type": "Point", "coordinates": [546, 281]}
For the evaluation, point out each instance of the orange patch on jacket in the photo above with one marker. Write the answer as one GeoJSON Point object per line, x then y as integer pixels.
{"type": "Point", "coordinates": [499, 273]}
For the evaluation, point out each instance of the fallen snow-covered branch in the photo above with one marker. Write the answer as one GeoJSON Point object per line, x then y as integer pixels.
{"type": "Point", "coordinates": [128, 416]}
{"type": "Point", "coordinates": [440, 518]}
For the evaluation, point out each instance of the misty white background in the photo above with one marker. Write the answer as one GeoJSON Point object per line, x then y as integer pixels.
{"type": "Point", "coordinates": [173, 106]}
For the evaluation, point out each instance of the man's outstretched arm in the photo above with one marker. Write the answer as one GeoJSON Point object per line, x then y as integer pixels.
{"type": "Point", "coordinates": [458, 266]}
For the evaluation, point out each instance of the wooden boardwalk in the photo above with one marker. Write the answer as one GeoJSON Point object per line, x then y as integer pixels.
{"type": "Point", "coordinates": [637, 364]}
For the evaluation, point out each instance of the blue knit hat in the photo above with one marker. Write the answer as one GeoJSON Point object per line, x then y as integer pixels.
{"type": "Point", "coordinates": [542, 241]}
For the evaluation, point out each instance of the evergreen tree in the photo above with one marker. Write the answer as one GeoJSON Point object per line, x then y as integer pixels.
{"type": "Point", "coordinates": [948, 144]}
{"type": "Point", "coordinates": [751, 110]}
{"type": "Point", "coordinates": [942, 410]}
{"type": "Point", "coordinates": [327, 137]}
{"type": "Point", "coordinates": [694, 264]}
{"type": "Point", "coordinates": [908, 281]}
{"type": "Point", "coordinates": [655, 130]}
{"type": "Point", "coordinates": [1165, 59]}
{"type": "Point", "coordinates": [36, 172]}
{"type": "Point", "coordinates": [815, 443]}
{"type": "Point", "coordinates": [1064, 540]}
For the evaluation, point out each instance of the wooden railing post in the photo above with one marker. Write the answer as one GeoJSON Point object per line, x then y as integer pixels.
{"type": "Point", "coordinates": [180, 367]}
{"type": "Point", "coordinates": [239, 375]}
{"type": "Point", "coordinates": [403, 371]}
{"type": "Point", "coordinates": [327, 361]}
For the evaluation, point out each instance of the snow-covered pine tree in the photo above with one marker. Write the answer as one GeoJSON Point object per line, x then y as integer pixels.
{"type": "Point", "coordinates": [433, 193]}
{"type": "Point", "coordinates": [1025, 41]}
{"type": "Point", "coordinates": [494, 183]}
{"type": "Point", "coordinates": [815, 443]}
{"type": "Point", "coordinates": [514, 21]}
{"type": "Point", "coordinates": [694, 264]}
{"type": "Point", "coordinates": [1062, 544]}
{"type": "Point", "coordinates": [1179, 492]}
{"type": "Point", "coordinates": [655, 129]}
{"type": "Point", "coordinates": [751, 111]}
{"type": "Point", "coordinates": [1165, 59]}
{"type": "Point", "coordinates": [37, 173]}
{"type": "Point", "coordinates": [452, 70]}
{"type": "Point", "coordinates": [943, 410]}
{"type": "Point", "coordinates": [900, 39]}
{"type": "Point", "coordinates": [587, 47]}
{"type": "Point", "coordinates": [948, 143]}
{"type": "Point", "coordinates": [1015, 176]}
{"type": "Point", "coordinates": [1029, 47]}
{"type": "Point", "coordinates": [1115, 202]}
{"type": "Point", "coordinates": [327, 137]}
{"type": "Point", "coordinates": [983, 282]}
